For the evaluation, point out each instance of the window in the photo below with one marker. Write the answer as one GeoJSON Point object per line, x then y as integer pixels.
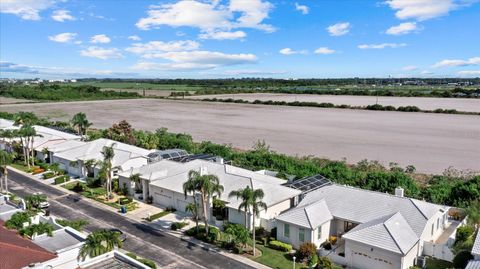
{"type": "Point", "coordinates": [438, 223]}
{"type": "Point", "coordinates": [319, 232]}
{"type": "Point", "coordinates": [433, 228]}
{"type": "Point", "coordinates": [301, 234]}
{"type": "Point", "coordinates": [286, 230]}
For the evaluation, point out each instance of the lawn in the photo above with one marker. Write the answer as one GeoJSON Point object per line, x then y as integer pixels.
{"type": "Point", "coordinates": [438, 264]}
{"type": "Point", "coordinates": [20, 167]}
{"type": "Point", "coordinates": [276, 259]}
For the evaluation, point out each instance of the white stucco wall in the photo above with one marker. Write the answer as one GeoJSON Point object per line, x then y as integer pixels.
{"type": "Point", "coordinates": [325, 233]}
{"type": "Point", "coordinates": [293, 239]}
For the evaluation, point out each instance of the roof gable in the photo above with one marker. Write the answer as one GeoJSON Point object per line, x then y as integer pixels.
{"type": "Point", "coordinates": [309, 216]}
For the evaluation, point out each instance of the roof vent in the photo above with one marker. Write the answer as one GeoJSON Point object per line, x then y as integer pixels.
{"type": "Point", "coordinates": [399, 192]}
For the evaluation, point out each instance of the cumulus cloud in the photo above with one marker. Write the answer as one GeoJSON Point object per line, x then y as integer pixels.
{"type": "Point", "coordinates": [26, 9]}
{"type": "Point", "coordinates": [160, 46]}
{"type": "Point", "coordinates": [409, 68]}
{"type": "Point", "coordinates": [134, 38]}
{"type": "Point", "coordinates": [63, 37]}
{"type": "Point", "coordinates": [302, 8]}
{"type": "Point", "coordinates": [289, 51]}
{"type": "Point", "coordinates": [210, 17]}
{"type": "Point", "coordinates": [469, 73]}
{"type": "Point", "coordinates": [100, 39]}
{"type": "Point", "coordinates": [422, 10]}
{"type": "Point", "coordinates": [223, 35]}
{"type": "Point", "coordinates": [457, 62]}
{"type": "Point", "coordinates": [194, 60]}
{"type": "Point", "coordinates": [382, 46]}
{"type": "Point", "coordinates": [324, 50]}
{"type": "Point", "coordinates": [403, 28]}
{"type": "Point", "coordinates": [101, 53]}
{"type": "Point", "coordinates": [62, 15]}
{"type": "Point", "coordinates": [339, 29]}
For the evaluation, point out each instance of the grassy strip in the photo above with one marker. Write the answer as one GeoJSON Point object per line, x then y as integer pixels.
{"type": "Point", "coordinates": [375, 107]}
{"type": "Point", "coordinates": [276, 259]}
{"type": "Point", "coordinates": [158, 215]}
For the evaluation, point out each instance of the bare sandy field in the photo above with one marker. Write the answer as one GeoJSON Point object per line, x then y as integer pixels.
{"type": "Point", "coordinates": [426, 103]}
{"type": "Point", "coordinates": [431, 142]}
{"type": "Point", "coordinates": [8, 100]}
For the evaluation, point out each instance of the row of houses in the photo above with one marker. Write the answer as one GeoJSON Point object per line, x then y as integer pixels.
{"type": "Point", "coordinates": [370, 229]}
{"type": "Point", "coordinates": [58, 251]}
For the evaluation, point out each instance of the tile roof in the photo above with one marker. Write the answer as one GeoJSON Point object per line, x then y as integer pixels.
{"type": "Point", "coordinates": [309, 215]}
{"type": "Point", "coordinates": [473, 265]}
{"type": "Point", "coordinates": [390, 232]}
{"type": "Point", "coordinates": [476, 244]}
{"type": "Point", "coordinates": [18, 252]}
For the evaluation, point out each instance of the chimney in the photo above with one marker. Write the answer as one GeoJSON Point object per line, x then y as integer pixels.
{"type": "Point", "coordinates": [399, 192]}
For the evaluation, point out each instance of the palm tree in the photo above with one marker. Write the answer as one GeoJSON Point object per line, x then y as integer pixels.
{"type": "Point", "coordinates": [208, 185]}
{"type": "Point", "coordinates": [34, 200]}
{"type": "Point", "coordinates": [98, 243]}
{"type": "Point", "coordinates": [251, 198]}
{"type": "Point", "coordinates": [89, 165]}
{"type": "Point", "coordinates": [190, 186]}
{"type": "Point", "coordinates": [245, 195]}
{"type": "Point", "coordinates": [5, 159]}
{"type": "Point", "coordinates": [81, 122]}
{"type": "Point", "coordinates": [138, 181]}
{"type": "Point", "coordinates": [106, 170]}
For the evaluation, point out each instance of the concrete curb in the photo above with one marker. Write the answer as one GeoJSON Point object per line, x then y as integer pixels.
{"type": "Point", "coordinates": [177, 234]}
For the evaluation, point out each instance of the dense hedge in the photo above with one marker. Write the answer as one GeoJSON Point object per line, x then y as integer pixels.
{"type": "Point", "coordinates": [280, 246]}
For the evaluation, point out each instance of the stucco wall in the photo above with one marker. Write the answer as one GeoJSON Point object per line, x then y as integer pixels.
{"type": "Point", "coordinates": [293, 239]}
{"type": "Point", "coordinates": [362, 256]}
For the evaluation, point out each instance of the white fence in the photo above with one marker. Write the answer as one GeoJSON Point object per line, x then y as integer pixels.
{"type": "Point", "coordinates": [439, 251]}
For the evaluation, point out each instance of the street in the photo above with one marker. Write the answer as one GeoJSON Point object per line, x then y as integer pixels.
{"type": "Point", "coordinates": [166, 250]}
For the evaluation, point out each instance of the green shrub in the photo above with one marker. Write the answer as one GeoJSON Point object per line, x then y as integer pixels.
{"type": "Point", "coordinates": [324, 263]}
{"type": "Point", "coordinates": [463, 233]}
{"type": "Point", "coordinates": [75, 224]}
{"type": "Point", "coordinates": [273, 233]}
{"type": "Point", "coordinates": [78, 188]}
{"type": "Point", "coordinates": [48, 175]}
{"type": "Point", "coordinates": [17, 220]}
{"type": "Point", "coordinates": [280, 246]}
{"type": "Point", "coordinates": [148, 263]}
{"type": "Point", "coordinates": [61, 179]}
{"type": "Point", "coordinates": [461, 259]}
{"type": "Point", "coordinates": [178, 225]}
{"type": "Point", "coordinates": [125, 200]}
{"type": "Point", "coordinates": [313, 261]}
{"type": "Point", "coordinates": [131, 255]}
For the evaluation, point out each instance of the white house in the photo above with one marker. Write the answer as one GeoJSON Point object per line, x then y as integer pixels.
{"type": "Point", "coordinates": [48, 137]}
{"type": "Point", "coordinates": [125, 157]}
{"type": "Point", "coordinates": [163, 181]}
{"type": "Point", "coordinates": [374, 230]}
{"type": "Point", "coordinates": [475, 263]}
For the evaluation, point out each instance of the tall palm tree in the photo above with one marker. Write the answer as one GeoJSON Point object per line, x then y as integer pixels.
{"type": "Point", "coordinates": [138, 181]}
{"type": "Point", "coordinates": [106, 170]}
{"type": "Point", "coordinates": [251, 198]}
{"type": "Point", "coordinates": [245, 195]}
{"type": "Point", "coordinates": [98, 243]}
{"type": "Point", "coordinates": [81, 123]}
{"type": "Point", "coordinates": [191, 187]}
{"type": "Point", "coordinates": [5, 159]}
{"type": "Point", "coordinates": [208, 185]}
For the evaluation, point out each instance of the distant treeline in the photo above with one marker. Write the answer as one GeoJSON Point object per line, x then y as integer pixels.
{"type": "Point", "coordinates": [331, 105]}
{"type": "Point", "coordinates": [55, 92]}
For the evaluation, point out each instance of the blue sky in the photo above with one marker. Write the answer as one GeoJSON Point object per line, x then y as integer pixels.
{"type": "Point", "coordinates": [239, 38]}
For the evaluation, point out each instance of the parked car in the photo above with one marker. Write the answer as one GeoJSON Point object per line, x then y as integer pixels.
{"type": "Point", "coordinates": [122, 236]}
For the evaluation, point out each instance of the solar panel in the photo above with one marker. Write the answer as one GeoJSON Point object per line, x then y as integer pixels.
{"type": "Point", "coordinates": [309, 184]}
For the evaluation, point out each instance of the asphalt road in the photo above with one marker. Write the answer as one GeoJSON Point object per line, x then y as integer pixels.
{"type": "Point", "coordinates": [166, 250]}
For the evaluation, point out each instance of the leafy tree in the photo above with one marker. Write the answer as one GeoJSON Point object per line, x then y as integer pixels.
{"type": "Point", "coordinates": [98, 243]}
{"type": "Point", "coordinates": [122, 132]}
{"type": "Point", "coordinates": [138, 181]}
{"type": "Point", "coordinates": [81, 123]}
{"type": "Point", "coordinates": [306, 251]}
{"type": "Point", "coordinates": [324, 263]}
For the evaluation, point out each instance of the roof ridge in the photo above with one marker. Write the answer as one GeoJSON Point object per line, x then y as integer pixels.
{"type": "Point", "coordinates": [308, 219]}
{"type": "Point", "coordinates": [416, 206]}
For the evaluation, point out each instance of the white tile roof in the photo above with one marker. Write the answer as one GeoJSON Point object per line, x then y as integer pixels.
{"type": "Point", "coordinates": [391, 232]}
{"type": "Point", "coordinates": [473, 265]}
{"type": "Point", "coordinates": [93, 150]}
{"type": "Point", "coordinates": [361, 206]}
{"type": "Point", "coordinates": [310, 215]}
{"type": "Point", "coordinates": [476, 245]}
{"type": "Point", "coordinates": [69, 144]}
{"type": "Point", "coordinates": [171, 175]}
{"type": "Point", "coordinates": [5, 123]}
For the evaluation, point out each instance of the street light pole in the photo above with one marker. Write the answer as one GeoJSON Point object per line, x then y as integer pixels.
{"type": "Point", "coordinates": [294, 258]}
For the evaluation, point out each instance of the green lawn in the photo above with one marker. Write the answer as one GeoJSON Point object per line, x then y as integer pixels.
{"type": "Point", "coordinates": [438, 264]}
{"type": "Point", "coordinates": [20, 167]}
{"type": "Point", "coordinates": [276, 259]}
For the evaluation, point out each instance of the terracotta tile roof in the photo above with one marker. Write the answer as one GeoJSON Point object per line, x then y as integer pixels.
{"type": "Point", "coordinates": [18, 252]}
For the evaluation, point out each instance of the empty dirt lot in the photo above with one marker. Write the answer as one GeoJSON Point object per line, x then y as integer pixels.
{"type": "Point", "coordinates": [425, 103]}
{"type": "Point", "coordinates": [431, 142]}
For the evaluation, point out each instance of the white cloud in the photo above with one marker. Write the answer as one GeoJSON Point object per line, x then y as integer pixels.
{"type": "Point", "coordinates": [26, 9]}
{"type": "Point", "coordinates": [456, 62]}
{"type": "Point", "coordinates": [209, 17]}
{"type": "Point", "coordinates": [101, 53]}
{"type": "Point", "coordinates": [426, 72]}
{"type": "Point", "coordinates": [425, 9]}
{"type": "Point", "coordinates": [339, 29]}
{"type": "Point", "coordinates": [160, 46]}
{"type": "Point", "coordinates": [223, 35]}
{"type": "Point", "coordinates": [63, 37]}
{"type": "Point", "coordinates": [302, 8]}
{"type": "Point", "coordinates": [381, 46]}
{"type": "Point", "coordinates": [403, 28]}
{"type": "Point", "coordinates": [409, 68]}
{"type": "Point", "coordinates": [100, 39]}
{"type": "Point", "coordinates": [324, 50]}
{"type": "Point", "coordinates": [250, 72]}
{"type": "Point", "coordinates": [469, 73]}
{"type": "Point", "coordinates": [134, 38]}
{"type": "Point", "coordinates": [62, 15]}
{"type": "Point", "coordinates": [289, 51]}
{"type": "Point", "coordinates": [195, 60]}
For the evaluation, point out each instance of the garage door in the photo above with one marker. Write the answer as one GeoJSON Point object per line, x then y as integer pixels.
{"type": "Point", "coordinates": [162, 199]}
{"type": "Point", "coordinates": [181, 205]}
{"type": "Point", "coordinates": [367, 261]}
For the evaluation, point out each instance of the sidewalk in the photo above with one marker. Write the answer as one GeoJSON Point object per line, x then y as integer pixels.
{"type": "Point", "coordinates": [161, 224]}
